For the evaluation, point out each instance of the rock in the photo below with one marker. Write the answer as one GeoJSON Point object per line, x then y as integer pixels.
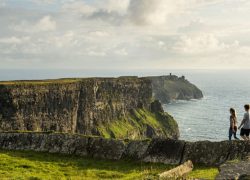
{"type": "Point", "coordinates": [239, 150]}
{"type": "Point", "coordinates": [234, 170]}
{"type": "Point", "coordinates": [206, 152]}
{"type": "Point", "coordinates": [77, 145]}
{"type": "Point", "coordinates": [169, 88]}
{"type": "Point", "coordinates": [158, 150]}
{"type": "Point", "coordinates": [136, 149]}
{"type": "Point", "coordinates": [156, 107]}
{"type": "Point", "coordinates": [106, 148]}
{"type": "Point", "coordinates": [90, 106]}
{"type": "Point", "coordinates": [150, 132]}
{"type": "Point", "coordinates": [165, 151]}
{"type": "Point", "coordinates": [178, 172]}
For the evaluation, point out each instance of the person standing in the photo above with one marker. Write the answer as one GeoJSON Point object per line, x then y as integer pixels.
{"type": "Point", "coordinates": [233, 124]}
{"type": "Point", "coordinates": [245, 124]}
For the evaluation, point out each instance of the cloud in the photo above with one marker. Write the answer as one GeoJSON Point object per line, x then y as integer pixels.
{"type": "Point", "coordinates": [119, 6]}
{"type": "Point", "coordinates": [202, 44]}
{"type": "Point", "coordinates": [143, 12]}
{"type": "Point", "coordinates": [86, 8]}
{"type": "Point", "coordinates": [121, 34]}
{"type": "Point", "coordinates": [2, 3]}
{"type": "Point", "coordinates": [44, 24]}
{"type": "Point", "coordinates": [41, 2]}
{"type": "Point", "coordinates": [159, 12]}
{"type": "Point", "coordinates": [121, 52]}
{"type": "Point", "coordinates": [138, 12]}
{"type": "Point", "coordinates": [14, 40]}
{"type": "Point", "coordinates": [195, 26]}
{"type": "Point", "coordinates": [79, 7]}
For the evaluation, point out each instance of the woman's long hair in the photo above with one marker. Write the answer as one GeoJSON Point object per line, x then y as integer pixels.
{"type": "Point", "coordinates": [233, 114]}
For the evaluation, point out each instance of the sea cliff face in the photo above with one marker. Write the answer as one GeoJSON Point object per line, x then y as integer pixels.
{"type": "Point", "coordinates": [170, 88]}
{"type": "Point", "coordinates": [108, 107]}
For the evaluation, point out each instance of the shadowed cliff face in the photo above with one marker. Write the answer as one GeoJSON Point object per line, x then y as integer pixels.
{"type": "Point", "coordinates": [169, 88]}
{"type": "Point", "coordinates": [110, 107]}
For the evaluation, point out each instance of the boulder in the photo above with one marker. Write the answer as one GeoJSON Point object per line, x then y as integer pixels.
{"type": "Point", "coordinates": [165, 151]}
{"type": "Point", "coordinates": [234, 170]}
{"type": "Point", "coordinates": [136, 149]}
{"type": "Point", "coordinates": [206, 152]}
{"type": "Point", "coordinates": [178, 172]}
{"type": "Point", "coordinates": [106, 148]}
{"type": "Point", "coordinates": [239, 150]}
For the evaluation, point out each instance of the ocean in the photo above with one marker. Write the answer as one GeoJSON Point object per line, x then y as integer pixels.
{"type": "Point", "coordinates": [208, 118]}
{"type": "Point", "coordinates": [205, 119]}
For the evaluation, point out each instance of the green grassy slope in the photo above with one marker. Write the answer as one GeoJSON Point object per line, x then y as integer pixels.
{"type": "Point", "coordinates": [34, 165]}
{"type": "Point", "coordinates": [136, 124]}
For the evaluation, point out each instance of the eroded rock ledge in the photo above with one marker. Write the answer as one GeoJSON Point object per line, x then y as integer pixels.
{"type": "Point", "coordinates": [156, 150]}
{"type": "Point", "coordinates": [171, 87]}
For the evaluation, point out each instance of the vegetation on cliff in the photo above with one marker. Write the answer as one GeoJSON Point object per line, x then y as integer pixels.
{"type": "Point", "coordinates": [39, 82]}
{"type": "Point", "coordinates": [141, 123]}
{"type": "Point", "coordinates": [34, 165]}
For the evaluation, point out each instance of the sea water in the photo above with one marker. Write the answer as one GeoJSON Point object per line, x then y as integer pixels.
{"type": "Point", "coordinates": [205, 119]}
{"type": "Point", "coordinates": [208, 118]}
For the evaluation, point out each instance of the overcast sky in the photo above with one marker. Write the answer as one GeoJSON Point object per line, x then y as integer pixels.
{"type": "Point", "coordinates": [125, 34]}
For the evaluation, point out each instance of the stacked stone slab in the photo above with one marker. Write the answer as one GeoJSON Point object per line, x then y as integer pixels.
{"type": "Point", "coordinates": [156, 150]}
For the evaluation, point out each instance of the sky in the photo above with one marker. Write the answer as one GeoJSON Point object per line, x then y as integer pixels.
{"type": "Point", "coordinates": [124, 34]}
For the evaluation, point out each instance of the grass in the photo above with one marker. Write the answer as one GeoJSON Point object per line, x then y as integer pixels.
{"type": "Point", "coordinates": [34, 165]}
{"type": "Point", "coordinates": [39, 82]}
{"type": "Point", "coordinates": [136, 123]}
{"type": "Point", "coordinates": [37, 165]}
{"type": "Point", "coordinates": [64, 80]}
{"type": "Point", "coordinates": [204, 173]}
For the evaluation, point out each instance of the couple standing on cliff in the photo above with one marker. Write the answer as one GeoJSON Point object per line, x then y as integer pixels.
{"type": "Point", "coordinates": [244, 126]}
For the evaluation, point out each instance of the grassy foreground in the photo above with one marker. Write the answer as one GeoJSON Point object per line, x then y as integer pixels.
{"type": "Point", "coordinates": [34, 165]}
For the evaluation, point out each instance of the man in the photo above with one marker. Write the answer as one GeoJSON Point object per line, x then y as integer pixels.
{"type": "Point", "coordinates": [245, 124]}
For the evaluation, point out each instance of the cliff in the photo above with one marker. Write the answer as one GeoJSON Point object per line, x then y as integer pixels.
{"type": "Point", "coordinates": [169, 88]}
{"type": "Point", "coordinates": [166, 151]}
{"type": "Point", "coordinates": [108, 107]}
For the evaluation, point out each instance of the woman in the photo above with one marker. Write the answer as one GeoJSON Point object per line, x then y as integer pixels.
{"type": "Point", "coordinates": [233, 124]}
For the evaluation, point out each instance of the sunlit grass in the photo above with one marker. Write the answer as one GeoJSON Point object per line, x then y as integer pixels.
{"type": "Point", "coordinates": [34, 165]}
{"type": "Point", "coordinates": [204, 172]}
{"type": "Point", "coordinates": [39, 82]}
{"type": "Point", "coordinates": [135, 124]}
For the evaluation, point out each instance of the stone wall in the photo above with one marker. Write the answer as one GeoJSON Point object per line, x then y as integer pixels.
{"type": "Point", "coordinates": [156, 150]}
